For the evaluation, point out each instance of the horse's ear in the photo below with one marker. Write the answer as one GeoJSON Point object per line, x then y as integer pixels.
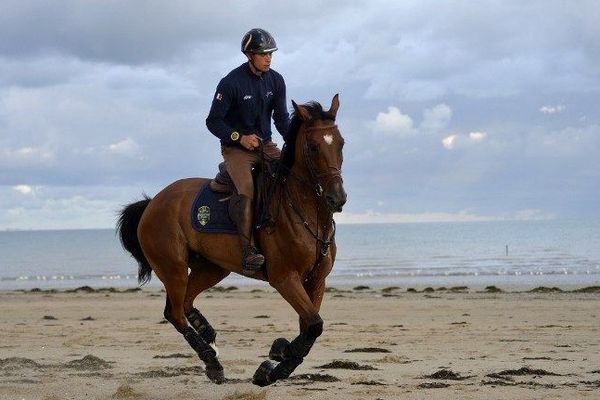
{"type": "Point", "coordinates": [335, 104]}
{"type": "Point", "coordinates": [301, 111]}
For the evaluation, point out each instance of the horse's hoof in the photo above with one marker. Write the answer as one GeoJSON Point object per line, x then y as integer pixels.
{"type": "Point", "coordinates": [215, 374]}
{"type": "Point", "coordinates": [278, 347]}
{"type": "Point", "coordinates": [261, 376]}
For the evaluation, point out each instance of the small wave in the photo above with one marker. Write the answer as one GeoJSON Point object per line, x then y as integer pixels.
{"type": "Point", "coordinates": [42, 278]}
{"type": "Point", "coordinates": [450, 273]}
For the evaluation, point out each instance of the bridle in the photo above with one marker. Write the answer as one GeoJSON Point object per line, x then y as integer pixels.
{"type": "Point", "coordinates": [316, 179]}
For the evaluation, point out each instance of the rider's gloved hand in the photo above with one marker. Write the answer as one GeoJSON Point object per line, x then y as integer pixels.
{"type": "Point", "coordinates": [250, 142]}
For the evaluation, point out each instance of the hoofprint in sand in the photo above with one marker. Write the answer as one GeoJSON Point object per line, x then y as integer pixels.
{"type": "Point", "coordinates": [381, 343]}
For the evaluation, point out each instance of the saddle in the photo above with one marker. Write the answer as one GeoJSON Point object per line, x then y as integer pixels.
{"type": "Point", "coordinates": [214, 211]}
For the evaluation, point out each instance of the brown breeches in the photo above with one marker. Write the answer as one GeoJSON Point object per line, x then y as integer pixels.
{"type": "Point", "coordinates": [239, 163]}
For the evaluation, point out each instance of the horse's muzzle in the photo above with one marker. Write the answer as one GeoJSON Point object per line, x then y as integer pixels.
{"type": "Point", "coordinates": [336, 198]}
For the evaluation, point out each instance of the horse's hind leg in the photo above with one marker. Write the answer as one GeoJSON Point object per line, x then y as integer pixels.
{"type": "Point", "coordinates": [175, 280]}
{"type": "Point", "coordinates": [204, 275]}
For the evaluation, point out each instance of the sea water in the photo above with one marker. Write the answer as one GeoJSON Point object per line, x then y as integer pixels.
{"type": "Point", "coordinates": [517, 253]}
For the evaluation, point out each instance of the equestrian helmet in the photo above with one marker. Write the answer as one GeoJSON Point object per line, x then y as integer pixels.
{"type": "Point", "coordinates": [258, 41]}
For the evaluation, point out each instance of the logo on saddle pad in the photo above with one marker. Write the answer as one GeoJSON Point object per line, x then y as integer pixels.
{"type": "Point", "coordinates": [203, 215]}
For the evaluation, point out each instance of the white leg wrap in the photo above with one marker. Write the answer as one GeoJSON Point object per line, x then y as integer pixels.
{"type": "Point", "coordinates": [215, 348]}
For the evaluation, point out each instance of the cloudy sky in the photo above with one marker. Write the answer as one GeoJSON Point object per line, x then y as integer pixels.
{"type": "Point", "coordinates": [451, 110]}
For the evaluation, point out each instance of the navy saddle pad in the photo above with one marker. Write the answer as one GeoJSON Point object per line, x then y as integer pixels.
{"type": "Point", "coordinates": [211, 215]}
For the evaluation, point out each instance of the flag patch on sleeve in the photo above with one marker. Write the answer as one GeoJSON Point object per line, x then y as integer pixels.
{"type": "Point", "coordinates": [219, 96]}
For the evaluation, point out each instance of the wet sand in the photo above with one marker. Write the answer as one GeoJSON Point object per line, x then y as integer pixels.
{"type": "Point", "coordinates": [378, 343]}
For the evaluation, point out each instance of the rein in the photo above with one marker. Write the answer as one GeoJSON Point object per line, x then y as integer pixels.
{"type": "Point", "coordinates": [322, 243]}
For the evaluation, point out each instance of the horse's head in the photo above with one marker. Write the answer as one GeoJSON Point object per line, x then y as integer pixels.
{"type": "Point", "coordinates": [318, 150]}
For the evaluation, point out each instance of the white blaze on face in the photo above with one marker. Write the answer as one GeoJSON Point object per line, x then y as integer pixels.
{"type": "Point", "coordinates": [328, 139]}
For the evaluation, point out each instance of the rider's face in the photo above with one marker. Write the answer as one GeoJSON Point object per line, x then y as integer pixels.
{"type": "Point", "coordinates": [262, 62]}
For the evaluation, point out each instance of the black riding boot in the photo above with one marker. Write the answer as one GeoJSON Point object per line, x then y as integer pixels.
{"type": "Point", "coordinates": [252, 260]}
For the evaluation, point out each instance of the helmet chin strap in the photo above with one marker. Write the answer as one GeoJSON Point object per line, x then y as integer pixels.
{"type": "Point", "coordinates": [255, 70]}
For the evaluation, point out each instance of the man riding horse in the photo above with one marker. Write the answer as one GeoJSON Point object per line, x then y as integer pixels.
{"type": "Point", "coordinates": [159, 232]}
{"type": "Point", "coordinates": [240, 116]}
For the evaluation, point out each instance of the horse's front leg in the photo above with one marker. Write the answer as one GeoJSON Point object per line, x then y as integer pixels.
{"type": "Point", "coordinates": [315, 289]}
{"type": "Point", "coordinates": [291, 354]}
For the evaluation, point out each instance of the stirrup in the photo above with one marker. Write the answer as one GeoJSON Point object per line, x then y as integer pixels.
{"type": "Point", "coordinates": [252, 262]}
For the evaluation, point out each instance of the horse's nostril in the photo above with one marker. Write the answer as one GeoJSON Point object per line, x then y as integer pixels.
{"type": "Point", "coordinates": [335, 202]}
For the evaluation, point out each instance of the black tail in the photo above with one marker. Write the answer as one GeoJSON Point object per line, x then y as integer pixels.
{"type": "Point", "coordinates": [127, 225]}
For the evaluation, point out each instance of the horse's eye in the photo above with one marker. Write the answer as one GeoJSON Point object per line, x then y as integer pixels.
{"type": "Point", "coordinates": [313, 149]}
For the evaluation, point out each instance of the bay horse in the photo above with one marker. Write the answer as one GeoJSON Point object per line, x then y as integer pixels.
{"type": "Point", "coordinates": [298, 245]}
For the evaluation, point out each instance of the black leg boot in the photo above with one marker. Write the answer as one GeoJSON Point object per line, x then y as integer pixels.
{"type": "Point", "coordinates": [252, 260]}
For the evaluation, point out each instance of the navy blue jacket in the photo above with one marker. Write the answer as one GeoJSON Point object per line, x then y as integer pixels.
{"type": "Point", "coordinates": [245, 102]}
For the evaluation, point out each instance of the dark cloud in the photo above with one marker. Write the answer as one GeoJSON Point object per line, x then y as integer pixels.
{"type": "Point", "coordinates": [120, 32]}
{"type": "Point", "coordinates": [137, 32]}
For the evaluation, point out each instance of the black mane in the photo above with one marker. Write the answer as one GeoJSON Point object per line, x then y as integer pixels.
{"type": "Point", "coordinates": [289, 148]}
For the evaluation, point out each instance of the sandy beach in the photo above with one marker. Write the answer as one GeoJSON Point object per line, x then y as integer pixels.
{"type": "Point", "coordinates": [378, 343]}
